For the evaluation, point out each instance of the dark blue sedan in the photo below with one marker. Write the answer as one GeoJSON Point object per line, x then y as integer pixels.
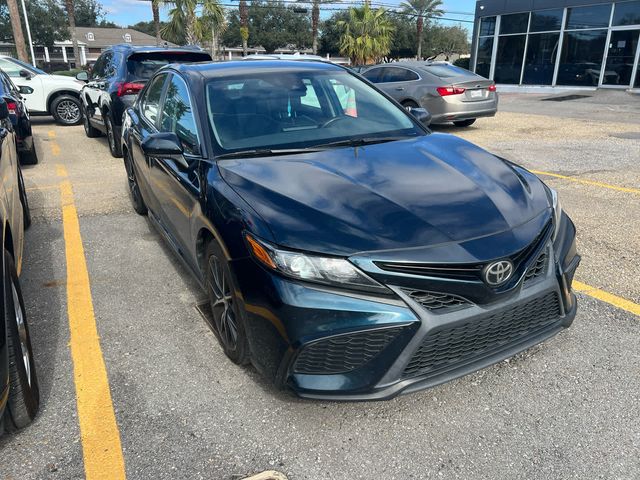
{"type": "Point", "coordinates": [347, 252]}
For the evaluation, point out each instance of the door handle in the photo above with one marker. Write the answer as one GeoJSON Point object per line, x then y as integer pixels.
{"type": "Point", "coordinates": [399, 88]}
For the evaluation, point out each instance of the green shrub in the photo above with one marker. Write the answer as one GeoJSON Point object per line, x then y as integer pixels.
{"type": "Point", "coordinates": [462, 63]}
{"type": "Point", "coordinates": [69, 73]}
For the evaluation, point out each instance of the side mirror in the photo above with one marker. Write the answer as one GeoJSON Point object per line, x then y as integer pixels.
{"type": "Point", "coordinates": [82, 76]}
{"type": "Point", "coordinates": [420, 114]}
{"type": "Point", "coordinates": [26, 74]}
{"type": "Point", "coordinates": [164, 144]}
{"type": "Point", "coordinates": [4, 109]}
{"type": "Point", "coordinates": [25, 90]}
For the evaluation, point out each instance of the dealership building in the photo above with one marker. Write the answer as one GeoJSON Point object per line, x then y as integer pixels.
{"type": "Point", "coordinates": [577, 43]}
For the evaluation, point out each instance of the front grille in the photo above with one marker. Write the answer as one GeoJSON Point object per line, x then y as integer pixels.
{"type": "Point", "coordinates": [436, 302]}
{"type": "Point", "coordinates": [344, 353]}
{"type": "Point", "coordinates": [453, 347]}
{"type": "Point", "coordinates": [537, 269]}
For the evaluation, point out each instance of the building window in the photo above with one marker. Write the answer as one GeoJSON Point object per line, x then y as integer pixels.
{"type": "Point", "coordinates": [514, 23]}
{"type": "Point", "coordinates": [581, 58]}
{"type": "Point", "coordinates": [546, 20]}
{"type": "Point", "coordinates": [623, 45]}
{"type": "Point", "coordinates": [509, 59]}
{"type": "Point", "coordinates": [90, 37]}
{"type": "Point", "coordinates": [487, 26]}
{"type": "Point", "coordinates": [626, 13]}
{"type": "Point", "coordinates": [596, 16]}
{"type": "Point", "coordinates": [483, 57]}
{"type": "Point", "coordinates": [127, 37]}
{"type": "Point", "coordinates": [542, 52]}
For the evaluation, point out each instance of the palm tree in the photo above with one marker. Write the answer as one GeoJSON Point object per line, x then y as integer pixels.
{"type": "Point", "coordinates": [155, 9]}
{"type": "Point", "coordinates": [367, 35]}
{"type": "Point", "coordinates": [183, 18]}
{"type": "Point", "coordinates": [422, 9]}
{"type": "Point", "coordinates": [16, 27]}
{"type": "Point", "coordinates": [71, 16]}
{"type": "Point", "coordinates": [244, 25]}
{"type": "Point", "coordinates": [315, 20]}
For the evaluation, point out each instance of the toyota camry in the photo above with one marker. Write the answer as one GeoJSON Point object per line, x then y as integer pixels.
{"type": "Point", "coordinates": [347, 251]}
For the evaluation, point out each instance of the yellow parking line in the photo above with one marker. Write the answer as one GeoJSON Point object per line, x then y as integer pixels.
{"type": "Point", "coordinates": [610, 298]}
{"type": "Point", "coordinates": [101, 448]}
{"type": "Point", "coordinates": [588, 182]}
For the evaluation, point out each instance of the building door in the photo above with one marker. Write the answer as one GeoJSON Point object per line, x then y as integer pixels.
{"type": "Point", "coordinates": [621, 58]}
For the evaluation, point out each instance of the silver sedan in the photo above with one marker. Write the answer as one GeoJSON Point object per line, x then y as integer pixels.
{"type": "Point", "coordinates": [449, 93]}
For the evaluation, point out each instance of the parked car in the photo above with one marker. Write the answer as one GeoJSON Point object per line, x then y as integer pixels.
{"type": "Point", "coordinates": [116, 78]}
{"type": "Point", "coordinates": [449, 93]}
{"type": "Point", "coordinates": [19, 395]}
{"type": "Point", "coordinates": [347, 252]}
{"type": "Point", "coordinates": [45, 94]}
{"type": "Point", "coordinates": [19, 115]}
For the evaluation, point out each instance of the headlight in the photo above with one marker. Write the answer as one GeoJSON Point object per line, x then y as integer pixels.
{"type": "Point", "coordinates": [312, 268]}
{"type": "Point", "coordinates": [557, 212]}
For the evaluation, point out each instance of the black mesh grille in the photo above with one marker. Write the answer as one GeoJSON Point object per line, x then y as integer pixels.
{"type": "Point", "coordinates": [344, 353]}
{"type": "Point", "coordinates": [449, 348]}
{"type": "Point", "coordinates": [434, 301]}
{"type": "Point", "coordinates": [537, 268]}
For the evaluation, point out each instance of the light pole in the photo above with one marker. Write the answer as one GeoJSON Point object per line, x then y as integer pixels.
{"type": "Point", "coordinates": [26, 21]}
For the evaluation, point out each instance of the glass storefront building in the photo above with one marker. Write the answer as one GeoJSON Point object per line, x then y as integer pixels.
{"type": "Point", "coordinates": [558, 42]}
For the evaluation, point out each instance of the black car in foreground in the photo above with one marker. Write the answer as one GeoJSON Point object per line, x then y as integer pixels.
{"type": "Point", "coordinates": [19, 397]}
{"type": "Point", "coordinates": [20, 119]}
{"type": "Point", "coordinates": [116, 78]}
{"type": "Point", "coordinates": [347, 252]}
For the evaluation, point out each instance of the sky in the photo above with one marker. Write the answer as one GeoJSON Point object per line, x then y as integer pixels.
{"type": "Point", "coordinates": [128, 12]}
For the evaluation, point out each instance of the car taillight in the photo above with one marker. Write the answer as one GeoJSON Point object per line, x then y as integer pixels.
{"type": "Point", "coordinates": [129, 88]}
{"type": "Point", "coordinates": [446, 91]}
{"type": "Point", "coordinates": [13, 107]}
{"type": "Point", "coordinates": [492, 88]}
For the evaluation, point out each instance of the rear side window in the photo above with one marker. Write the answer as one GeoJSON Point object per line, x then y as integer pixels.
{"type": "Point", "coordinates": [372, 75]}
{"type": "Point", "coordinates": [396, 74]}
{"type": "Point", "coordinates": [177, 115]}
{"type": "Point", "coordinates": [448, 71]}
{"type": "Point", "coordinates": [142, 66]}
{"type": "Point", "coordinates": [150, 102]}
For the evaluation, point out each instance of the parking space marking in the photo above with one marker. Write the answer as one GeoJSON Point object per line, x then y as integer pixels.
{"type": "Point", "coordinates": [607, 297]}
{"type": "Point", "coordinates": [101, 447]}
{"type": "Point", "coordinates": [593, 183]}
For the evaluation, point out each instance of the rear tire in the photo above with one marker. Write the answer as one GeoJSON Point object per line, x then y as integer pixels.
{"type": "Point", "coordinates": [465, 123]}
{"type": "Point", "coordinates": [410, 104]}
{"type": "Point", "coordinates": [89, 130]}
{"type": "Point", "coordinates": [30, 157]}
{"type": "Point", "coordinates": [114, 143]}
{"type": "Point", "coordinates": [26, 212]}
{"type": "Point", "coordinates": [24, 394]}
{"type": "Point", "coordinates": [134, 187]}
{"type": "Point", "coordinates": [67, 110]}
{"type": "Point", "coordinates": [228, 319]}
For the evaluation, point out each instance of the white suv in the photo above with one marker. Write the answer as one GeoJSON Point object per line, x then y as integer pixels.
{"type": "Point", "coordinates": [45, 94]}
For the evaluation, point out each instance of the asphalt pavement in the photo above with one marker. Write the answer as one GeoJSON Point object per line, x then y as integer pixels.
{"type": "Point", "coordinates": [569, 408]}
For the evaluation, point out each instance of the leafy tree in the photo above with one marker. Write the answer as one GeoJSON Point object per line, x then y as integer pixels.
{"type": "Point", "coordinates": [366, 35]}
{"type": "Point", "coordinates": [315, 20]}
{"type": "Point", "coordinates": [90, 13]}
{"type": "Point", "coordinates": [150, 29]}
{"type": "Point", "coordinates": [48, 22]}
{"type": "Point", "coordinates": [447, 40]}
{"type": "Point", "coordinates": [271, 25]}
{"type": "Point", "coordinates": [421, 9]}
{"type": "Point", "coordinates": [183, 17]}
{"type": "Point", "coordinates": [71, 18]}
{"type": "Point", "coordinates": [330, 33]}
{"type": "Point", "coordinates": [243, 12]}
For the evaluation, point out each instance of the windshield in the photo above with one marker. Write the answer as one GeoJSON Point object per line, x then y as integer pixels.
{"type": "Point", "coordinates": [12, 67]}
{"type": "Point", "coordinates": [284, 109]}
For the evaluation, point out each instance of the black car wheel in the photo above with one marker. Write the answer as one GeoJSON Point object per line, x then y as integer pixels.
{"type": "Point", "coordinates": [26, 212]}
{"type": "Point", "coordinates": [465, 123]}
{"type": "Point", "coordinates": [89, 130]}
{"type": "Point", "coordinates": [228, 322]}
{"type": "Point", "coordinates": [114, 143]}
{"type": "Point", "coordinates": [410, 104]}
{"type": "Point", "coordinates": [134, 189]}
{"type": "Point", "coordinates": [24, 396]}
{"type": "Point", "coordinates": [67, 110]}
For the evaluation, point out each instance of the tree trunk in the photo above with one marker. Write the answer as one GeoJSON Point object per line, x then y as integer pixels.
{"type": "Point", "coordinates": [155, 8]}
{"type": "Point", "coordinates": [72, 30]}
{"type": "Point", "coordinates": [315, 19]}
{"type": "Point", "coordinates": [190, 29]}
{"type": "Point", "coordinates": [16, 26]}
{"type": "Point", "coordinates": [244, 25]}
{"type": "Point", "coordinates": [419, 31]}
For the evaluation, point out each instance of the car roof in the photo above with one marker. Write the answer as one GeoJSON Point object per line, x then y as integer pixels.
{"type": "Point", "coordinates": [153, 48]}
{"type": "Point", "coordinates": [240, 67]}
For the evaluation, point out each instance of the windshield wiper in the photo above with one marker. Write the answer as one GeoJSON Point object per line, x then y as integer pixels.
{"type": "Point", "coordinates": [361, 141]}
{"type": "Point", "coordinates": [266, 152]}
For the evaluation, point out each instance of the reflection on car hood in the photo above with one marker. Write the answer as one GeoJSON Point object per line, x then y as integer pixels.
{"type": "Point", "coordinates": [412, 193]}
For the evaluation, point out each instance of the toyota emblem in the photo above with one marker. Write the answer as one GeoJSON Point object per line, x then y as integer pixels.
{"type": "Point", "coordinates": [497, 273]}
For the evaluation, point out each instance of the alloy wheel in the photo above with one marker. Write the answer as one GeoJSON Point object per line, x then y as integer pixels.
{"type": "Point", "coordinates": [222, 304]}
{"type": "Point", "coordinates": [110, 136]}
{"type": "Point", "coordinates": [68, 111]}
{"type": "Point", "coordinates": [22, 332]}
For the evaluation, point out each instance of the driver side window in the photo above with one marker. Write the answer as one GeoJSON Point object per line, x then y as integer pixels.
{"type": "Point", "coordinates": [150, 103]}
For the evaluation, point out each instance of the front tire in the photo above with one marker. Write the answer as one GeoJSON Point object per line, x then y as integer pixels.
{"type": "Point", "coordinates": [30, 157]}
{"type": "Point", "coordinates": [89, 130]}
{"type": "Point", "coordinates": [465, 123]}
{"type": "Point", "coordinates": [134, 188]}
{"type": "Point", "coordinates": [228, 322]}
{"type": "Point", "coordinates": [67, 110]}
{"type": "Point", "coordinates": [24, 394]}
{"type": "Point", "coordinates": [114, 143]}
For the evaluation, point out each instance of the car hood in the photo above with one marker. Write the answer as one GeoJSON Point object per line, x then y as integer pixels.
{"type": "Point", "coordinates": [420, 192]}
{"type": "Point", "coordinates": [69, 82]}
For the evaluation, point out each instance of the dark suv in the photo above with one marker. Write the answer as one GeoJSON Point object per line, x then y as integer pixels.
{"type": "Point", "coordinates": [117, 77]}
